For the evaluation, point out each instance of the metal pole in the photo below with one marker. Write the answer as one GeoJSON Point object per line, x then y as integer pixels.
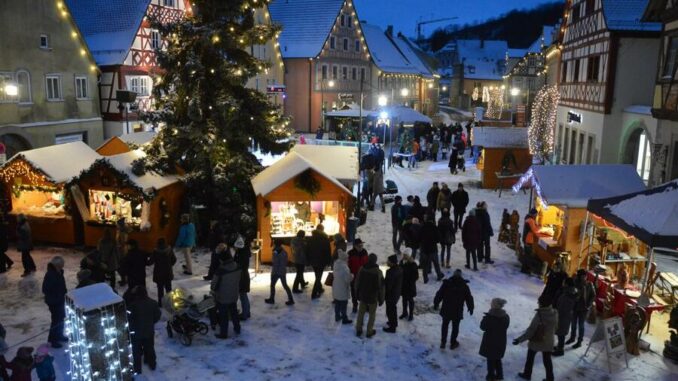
{"type": "Point", "coordinates": [322, 104]}
{"type": "Point", "coordinates": [360, 150]}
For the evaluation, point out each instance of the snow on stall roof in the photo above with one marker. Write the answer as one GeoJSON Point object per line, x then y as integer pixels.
{"type": "Point", "coordinates": [92, 297]}
{"type": "Point", "coordinates": [337, 161]}
{"type": "Point", "coordinates": [574, 185]}
{"type": "Point", "coordinates": [60, 162]}
{"type": "Point", "coordinates": [138, 138]}
{"type": "Point", "coordinates": [406, 115]}
{"type": "Point", "coordinates": [384, 53]}
{"type": "Point", "coordinates": [108, 26]}
{"type": "Point", "coordinates": [285, 169]}
{"type": "Point", "coordinates": [626, 15]}
{"type": "Point", "coordinates": [306, 25]}
{"type": "Point", "coordinates": [149, 181]}
{"type": "Point", "coordinates": [500, 137]}
{"type": "Point", "coordinates": [656, 213]}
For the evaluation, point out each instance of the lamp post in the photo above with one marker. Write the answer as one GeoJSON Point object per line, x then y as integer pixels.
{"type": "Point", "coordinates": [514, 93]}
{"type": "Point", "coordinates": [330, 84]}
{"type": "Point", "coordinates": [11, 89]}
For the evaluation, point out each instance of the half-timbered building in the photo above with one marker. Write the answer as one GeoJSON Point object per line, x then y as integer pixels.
{"type": "Point", "coordinates": [123, 43]}
{"type": "Point", "coordinates": [604, 47]}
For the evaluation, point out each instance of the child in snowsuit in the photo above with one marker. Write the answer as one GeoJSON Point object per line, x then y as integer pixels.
{"type": "Point", "coordinates": [44, 363]}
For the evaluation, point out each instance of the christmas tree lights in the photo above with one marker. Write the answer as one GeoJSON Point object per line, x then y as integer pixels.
{"type": "Point", "coordinates": [495, 103]}
{"type": "Point", "coordinates": [543, 123]}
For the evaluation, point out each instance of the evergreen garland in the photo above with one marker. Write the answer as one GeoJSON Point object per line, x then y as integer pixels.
{"type": "Point", "coordinates": [306, 182]}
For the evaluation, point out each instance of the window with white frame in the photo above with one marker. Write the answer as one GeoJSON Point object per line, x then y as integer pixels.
{"type": "Point", "coordinates": [139, 84]}
{"type": "Point", "coordinates": [333, 42]}
{"type": "Point", "coordinates": [53, 87]}
{"type": "Point", "coordinates": [323, 71]}
{"type": "Point", "coordinates": [23, 81]}
{"type": "Point", "coordinates": [344, 73]}
{"type": "Point", "coordinates": [168, 3]}
{"type": "Point", "coordinates": [343, 20]}
{"type": "Point", "coordinates": [44, 41]}
{"type": "Point", "coordinates": [335, 71]}
{"type": "Point", "coordinates": [354, 73]}
{"type": "Point", "coordinates": [345, 44]}
{"type": "Point", "coordinates": [6, 81]}
{"type": "Point", "coordinates": [643, 157]}
{"type": "Point", "coordinates": [349, 22]}
{"type": "Point", "coordinates": [81, 88]}
{"type": "Point", "coordinates": [156, 42]}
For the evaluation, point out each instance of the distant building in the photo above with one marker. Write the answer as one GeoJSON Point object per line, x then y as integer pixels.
{"type": "Point", "coordinates": [605, 94]}
{"type": "Point", "coordinates": [325, 57]}
{"type": "Point", "coordinates": [663, 142]}
{"type": "Point", "coordinates": [119, 34]}
{"type": "Point", "coordinates": [427, 81]}
{"type": "Point", "coordinates": [48, 79]}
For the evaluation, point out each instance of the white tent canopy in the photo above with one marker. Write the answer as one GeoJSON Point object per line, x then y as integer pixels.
{"type": "Point", "coordinates": [406, 115]}
{"type": "Point", "coordinates": [61, 162]}
{"type": "Point", "coordinates": [352, 111]}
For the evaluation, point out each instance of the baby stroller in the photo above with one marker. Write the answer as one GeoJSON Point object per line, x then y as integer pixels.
{"type": "Point", "coordinates": [391, 191]}
{"type": "Point", "coordinates": [186, 315]}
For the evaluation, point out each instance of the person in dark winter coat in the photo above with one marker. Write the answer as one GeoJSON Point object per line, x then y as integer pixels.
{"type": "Point", "coordinates": [409, 288]}
{"type": "Point", "coordinates": [417, 211]}
{"type": "Point", "coordinates": [279, 272]}
{"type": "Point", "coordinates": [162, 259]}
{"type": "Point", "coordinates": [54, 289]}
{"type": "Point", "coordinates": [24, 244]}
{"type": "Point", "coordinates": [494, 325]}
{"type": "Point", "coordinates": [84, 278]}
{"type": "Point", "coordinates": [214, 238]}
{"type": "Point", "coordinates": [429, 249]}
{"type": "Point", "coordinates": [453, 294]}
{"type": "Point", "coordinates": [486, 232]}
{"type": "Point", "coordinates": [241, 255]}
{"type": "Point", "coordinates": [370, 289]}
{"type": "Point", "coordinates": [5, 261]}
{"type": "Point", "coordinates": [3, 348]}
{"type": "Point", "coordinates": [459, 201]}
{"type": "Point", "coordinates": [393, 287]}
{"type": "Point", "coordinates": [143, 313]}
{"type": "Point", "coordinates": [92, 263]}
{"type": "Point", "coordinates": [21, 366]}
{"type": "Point", "coordinates": [585, 296]}
{"type": "Point", "coordinates": [470, 237]}
{"type": "Point", "coordinates": [299, 249]}
{"type": "Point", "coordinates": [225, 289]}
{"type": "Point", "coordinates": [554, 282]}
{"type": "Point", "coordinates": [412, 231]}
{"type": "Point", "coordinates": [357, 258]}
{"type": "Point", "coordinates": [135, 265]}
{"type": "Point", "coordinates": [447, 237]}
{"type": "Point", "coordinates": [108, 256]}
{"type": "Point", "coordinates": [540, 335]}
{"type": "Point", "coordinates": [319, 255]}
{"type": "Point", "coordinates": [432, 198]}
{"type": "Point", "coordinates": [565, 302]}
{"type": "Point", "coordinates": [444, 198]}
{"type": "Point", "coordinates": [398, 215]}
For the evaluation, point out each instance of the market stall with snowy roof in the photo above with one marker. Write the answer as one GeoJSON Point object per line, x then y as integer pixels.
{"type": "Point", "coordinates": [625, 230]}
{"type": "Point", "coordinates": [344, 121]}
{"type": "Point", "coordinates": [505, 155]}
{"type": "Point", "coordinates": [560, 195]}
{"type": "Point", "coordinates": [125, 143]}
{"type": "Point", "coordinates": [297, 193]}
{"type": "Point", "coordinates": [117, 187]}
{"type": "Point", "coordinates": [35, 182]}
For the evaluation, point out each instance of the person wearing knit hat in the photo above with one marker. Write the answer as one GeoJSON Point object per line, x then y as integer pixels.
{"type": "Point", "coordinates": [369, 285]}
{"type": "Point", "coordinates": [44, 363]}
{"type": "Point", "coordinates": [453, 294]}
{"type": "Point", "coordinates": [494, 325]}
{"type": "Point", "coordinates": [393, 288]}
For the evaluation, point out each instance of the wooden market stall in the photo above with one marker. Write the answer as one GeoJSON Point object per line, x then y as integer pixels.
{"type": "Point", "coordinates": [125, 143]}
{"type": "Point", "coordinates": [561, 193]}
{"type": "Point", "coordinates": [296, 194]}
{"type": "Point", "coordinates": [623, 234]}
{"type": "Point", "coordinates": [505, 155]}
{"type": "Point", "coordinates": [35, 184]}
{"type": "Point", "coordinates": [110, 190]}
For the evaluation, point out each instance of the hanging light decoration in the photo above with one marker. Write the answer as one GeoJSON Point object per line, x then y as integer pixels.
{"type": "Point", "coordinates": [543, 122]}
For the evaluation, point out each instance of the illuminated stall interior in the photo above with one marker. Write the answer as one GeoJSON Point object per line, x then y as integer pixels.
{"type": "Point", "coordinates": [287, 218]}
{"type": "Point", "coordinates": [36, 182]}
{"type": "Point", "coordinates": [560, 195]}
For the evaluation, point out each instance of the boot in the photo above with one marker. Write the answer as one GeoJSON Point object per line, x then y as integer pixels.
{"type": "Point", "coordinates": [454, 344]}
{"type": "Point", "coordinates": [442, 345]}
{"type": "Point", "coordinates": [370, 333]}
{"type": "Point", "coordinates": [570, 340]}
{"type": "Point", "coordinates": [577, 344]}
{"type": "Point", "coordinates": [557, 352]}
{"type": "Point", "coordinates": [289, 302]}
{"type": "Point", "coordinates": [269, 301]}
{"type": "Point", "coordinates": [389, 329]}
{"type": "Point", "coordinates": [524, 376]}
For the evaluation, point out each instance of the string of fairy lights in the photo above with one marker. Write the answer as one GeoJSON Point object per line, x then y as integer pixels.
{"type": "Point", "coordinates": [19, 168]}
{"type": "Point", "coordinates": [541, 132]}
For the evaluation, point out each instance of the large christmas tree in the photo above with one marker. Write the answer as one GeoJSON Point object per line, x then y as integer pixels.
{"type": "Point", "coordinates": [208, 118]}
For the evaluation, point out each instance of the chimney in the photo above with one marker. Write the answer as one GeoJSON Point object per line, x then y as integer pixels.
{"type": "Point", "coordinates": [389, 31]}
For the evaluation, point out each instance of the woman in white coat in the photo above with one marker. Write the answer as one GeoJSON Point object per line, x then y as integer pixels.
{"type": "Point", "coordinates": [341, 287]}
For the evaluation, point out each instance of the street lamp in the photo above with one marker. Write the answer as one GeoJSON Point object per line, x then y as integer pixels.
{"type": "Point", "coordinates": [11, 89]}
{"type": "Point", "coordinates": [405, 92]}
{"type": "Point", "coordinates": [444, 88]}
{"type": "Point", "coordinates": [330, 84]}
{"type": "Point", "coordinates": [382, 100]}
{"type": "Point", "coordinates": [515, 92]}
{"type": "Point", "coordinates": [430, 85]}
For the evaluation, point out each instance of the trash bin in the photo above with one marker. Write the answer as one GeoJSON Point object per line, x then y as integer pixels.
{"type": "Point", "coordinates": [352, 228]}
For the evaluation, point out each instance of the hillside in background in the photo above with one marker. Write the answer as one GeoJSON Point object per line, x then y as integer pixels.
{"type": "Point", "coordinates": [519, 27]}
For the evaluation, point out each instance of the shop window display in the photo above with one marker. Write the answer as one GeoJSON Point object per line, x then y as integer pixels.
{"type": "Point", "coordinates": [38, 201]}
{"type": "Point", "coordinates": [287, 218]}
{"type": "Point", "coordinates": [108, 207]}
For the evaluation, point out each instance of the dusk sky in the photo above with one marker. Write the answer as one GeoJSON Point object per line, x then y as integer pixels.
{"type": "Point", "coordinates": [404, 14]}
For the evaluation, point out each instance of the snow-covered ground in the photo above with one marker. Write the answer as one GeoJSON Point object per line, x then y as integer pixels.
{"type": "Point", "coordinates": [303, 342]}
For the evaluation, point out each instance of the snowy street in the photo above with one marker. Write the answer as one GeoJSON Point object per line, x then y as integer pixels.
{"type": "Point", "coordinates": [303, 342]}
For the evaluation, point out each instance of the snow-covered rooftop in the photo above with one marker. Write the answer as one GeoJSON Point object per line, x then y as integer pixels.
{"type": "Point", "coordinates": [483, 59]}
{"type": "Point", "coordinates": [285, 169]}
{"type": "Point", "coordinates": [108, 26]}
{"type": "Point", "coordinates": [544, 39]}
{"type": "Point", "coordinates": [61, 162]}
{"type": "Point", "coordinates": [384, 53]}
{"type": "Point", "coordinates": [149, 181]}
{"type": "Point", "coordinates": [574, 185]}
{"type": "Point", "coordinates": [336, 161]}
{"type": "Point", "coordinates": [500, 137]}
{"type": "Point", "coordinates": [306, 25]}
{"type": "Point", "coordinates": [411, 53]}
{"type": "Point", "coordinates": [138, 138]}
{"type": "Point", "coordinates": [92, 297]}
{"type": "Point", "coordinates": [626, 15]}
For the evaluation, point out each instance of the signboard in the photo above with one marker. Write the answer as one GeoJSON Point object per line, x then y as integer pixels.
{"type": "Point", "coordinates": [573, 117]}
{"type": "Point", "coordinates": [275, 89]}
{"type": "Point", "coordinates": [345, 97]}
{"type": "Point", "coordinates": [612, 331]}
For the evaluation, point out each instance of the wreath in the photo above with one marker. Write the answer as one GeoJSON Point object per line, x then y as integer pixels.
{"type": "Point", "coordinates": [306, 182]}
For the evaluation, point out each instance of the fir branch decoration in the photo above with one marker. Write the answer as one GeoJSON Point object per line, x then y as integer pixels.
{"type": "Point", "coordinates": [305, 181]}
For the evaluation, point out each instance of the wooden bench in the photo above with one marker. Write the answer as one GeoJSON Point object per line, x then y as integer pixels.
{"type": "Point", "coordinates": [668, 284]}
